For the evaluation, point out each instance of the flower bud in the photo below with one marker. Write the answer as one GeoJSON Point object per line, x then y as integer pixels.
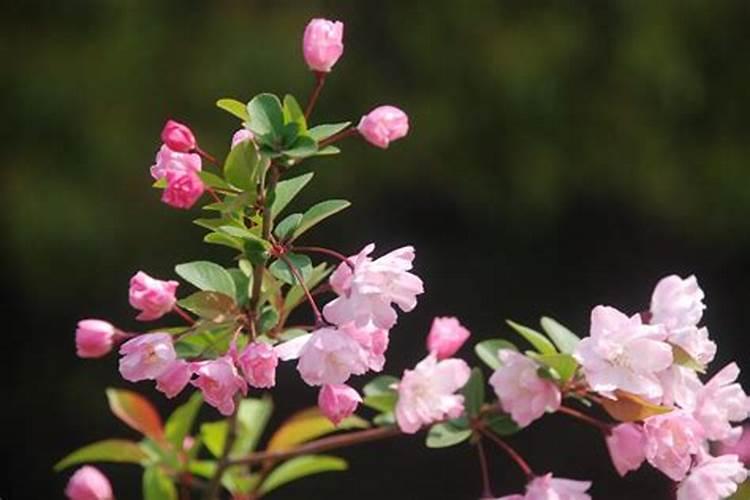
{"type": "Point", "coordinates": [154, 298]}
{"type": "Point", "coordinates": [88, 483]}
{"type": "Point", "coordinates": [183, 189]}
{"type": "Point", "coordinates": [94, 338]}
{"type": "Point", "coordinates": [178, 137]}
{"type": "Point", "coordinates": [627, 447]}
{"type": "Point", "coordinates": [338, 401]}
{"type": "Point", "coordinates": [241, 135]}
{"type": "Point", "coordinates": [258, 363]}
{"type": "Point", "coordinates": [446, 337]}
{"type": "Point", "coordinates": [382, 125]}
{"type": "Point", "coordinates": [322, 44]}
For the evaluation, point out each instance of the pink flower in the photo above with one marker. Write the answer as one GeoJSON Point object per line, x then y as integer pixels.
{"type": "Point", "coordinates": [258, 363]}
{"type": "Point", "coordinates": [720, 402]}
{"type": "Point", "coordinates": [241, 135]}
{"type": "Point", "coordinates": [322, 44]}
{"type": "Point", "coordinates": [169, 160]}
{"type": "Point", "coordinates": [154, 298]}
{"type": "Point", "coordinates": [622, 353]}
{"type": "Point", "coordinates": [94, 338]}
{"type": "Point", "coordinates": [178, 137]}
{"type": "Point", "coordinates": [338, 401]}
{"type": "Point", "coordinates": [741, 447]}
{"type": "Point", "coordinates": [626, 446]}
{"type": "Point", "coordinates": [521, 391]}
{"type": "Point", "coordinates": [219, 381]}
{"type": "Point", "coordinates": [373, 342]}
{"type": "Point", "coordinates": [183, 189]}
{"type": "Point", "coordinates": [175, 378]}
{"type": "Point", "coordinates": [426, 393]}
{"type": "Point", "coordinates": [367, 293]}
{"type": "Point", "coordinates": [695, 342]}
{"type": "Point", "coordinates": [671, 441]}
{"type": "Point", "coordinates": [146, 356]}
{"type": "Point", "coordinates": [677, 302]}
{"type": "Point", "coordinates": [446, 337]}
{"type": "Point", "coordinates": [382, 125]}
{"type": "Point", "coordinates": [88, 483]}
{"type": "Point", "coordinates": [713, 478]}
{"type": "Point", "coordinates": [330, 356]}
{"type": "Point", "coordinates": [549, 488]}
{"type": "Point", "coordinates": [680, 387]}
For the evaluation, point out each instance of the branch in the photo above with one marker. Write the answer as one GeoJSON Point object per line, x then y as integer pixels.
{"type": "Point", "coordinates": [486, 488]}
{"type": "Point", "coordinates": [213, 487]}
{"type": "Point", "coordinates": [599, 424]}
{"type": "Point", "coordinates": [517, 458]}
{"type": "Point", "coordinates": [318, 316]}
{"type": "Point", "coordinates": [320, 79]}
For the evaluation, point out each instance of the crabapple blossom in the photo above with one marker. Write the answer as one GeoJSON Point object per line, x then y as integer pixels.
{"type": "Point", "coordinates": [551, 488]}
{"type": "Point", "coordinates": [695, 342]}
{"type": "Point", "coordinates": [168, 160]}
{"type": "Point", "coordinates": [677, 302]}
{"type": "Point", "coordinates": [680, 386]}
{"type": "Point", "coordinates": [623, 353]}
{"type": "Point", "coordinates": [175, 378]}
{"type": "Point", "coordinates": [626, 445]}
{"type": "Point", "coordinates": [183, 189]}
{"type": "Point", "coordinates": [258, 364]}
{"type": "Point", "coordinates": [522, 392]}
{"type": "Point", "coordinates": [373, 342]}
{"type": "Point", "coordinates": [383, 125]}
{"type": "Point", "coordinates": [330, 356]}
{"type": "Point", "coordinates": [88, 483]}
{"type": "Point", "coordinates": [146, 356]}
{"type": "Point", "coordinates": [426, 393]}
{"type": "Point", "coordinates": [446, 337]}
{"type": "Point", "coordinates": [671, 441]}
{"type": "Point", "coordinates": [338, 401]}
{"type": "Point", "coordinates": [720, 402]}
{"type": "Point", "coordinates": [741, 447]}
{"type": "Point", "coordinates": [219, 381]}
{"type": "Point", "coordinates": [322, 44]}
{"type": "Point", "coordinates": [178, 137]}
{"type": "Point", "coordinates": [713, 478]}
{"type": "Point", "coordinates": [94, 338]}
{"type": "Point", "coordinates": [241, 135]}
{"type": "Point", "coordinates": [153, 297]}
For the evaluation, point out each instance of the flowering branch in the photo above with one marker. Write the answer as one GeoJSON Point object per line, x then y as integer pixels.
{"type": "Point", "coordinates": [486, 487]}
{"type": "Point", "coordinates": [320, 79]}
{"type": "Point", "coordinates": [325, 251]}
{"type": "Point", "coordinates": [301, 282]}
{"type": "Point", "coordinates": [517, 458]}
{"type": "Point", "coordinates": [604, 427]}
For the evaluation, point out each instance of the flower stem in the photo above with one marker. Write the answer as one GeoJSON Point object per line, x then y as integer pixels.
{"type": "Point", "coordinates": [318, 316]}
{"type": "Point", "coordinates": [181, 312]}
{"type": "Point", "coordinates": [325, 251]}
{"type": "Point", "coordinates": [486, 488]}
{"type": "Point", "coordinates": [517, 458]}
{"type": "Point", "coordinates": [604, 427]}
{"type": "Point", "coordinates": [337, 137]}
{"type": "Point", "coordinates": [206, 156]}
{"type": "Point", "coordinates": [320, 79]}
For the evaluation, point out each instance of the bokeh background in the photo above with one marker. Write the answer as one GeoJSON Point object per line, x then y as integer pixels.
{"type": "Point", "coordinates": [562, 155]}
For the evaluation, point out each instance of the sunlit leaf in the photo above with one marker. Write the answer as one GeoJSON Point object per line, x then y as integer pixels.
{"type": "Point", "coordinates": [136, 411]}
{"type": "Point", "coordinates": [564, 364]}
{"type": "Point", "coordinates": [300, 467]}
{"type": "Point", "coordinates": [157, 485]}
{"type": "Point", "coordinates": [181, 420]}
{"type": "Point", "coordinates": [446, 434]}
{"type": "Point", "coordinates": [241, 165]}
{"type": "Point", "coordinates": [235, 107]}
{"type": "Point", "coordinates": [536, 339]}
{"type": "Point", "coordinates": [266, 115]}
{"type": "Point", "coordinates": [286, 190]}
{"type": "Point", "coordinates": [207, 276]}
{"type": "Point", "coordinates": [309, 424]}
{"type": "Point", "coordinates": [487, 351]}
{"type": "Point", "coordinates": [320, 132]}
{"type": "Point", "coordinates": [630, 408]}
{"type": "Point", "coordinates": [318, 213]}
{"type": "Point", "coordinates": [213, 306]}
{"type": "Point", "coordinates": [565, 340]}
{"type": "Point", "coordinates": [109, 450]}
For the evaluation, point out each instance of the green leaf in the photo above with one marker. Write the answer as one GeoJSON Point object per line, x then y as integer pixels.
{"type": "Point", "coordinates": [181, 420]}
{"type": "Point", "coordinates": [536, 339]}
{"type": "Point", "coordinates": [266, 115]}
{"type": "Point", "coordinates": [564, 339]}
{"type": "Point", "coordinates": [446, 434]}
{"type": "Point", "coordinates": [683, 358]}
{"type": "Point", "coordinates": [157, 485]}
{"type": "Point", "coordinates": [287, 226]}
{"type": "Point", "coordinates": [487, 351]}
{"type": "Point", "coordinates": [502, 424]}
{"type": "Point", "coordinates": [268, 319]}
{"type": "Point", "coordinates": [381, 384]}
{"type": "Point", "coordinates": [136, 412]}
{"type": "Point", "coordinates": [234, 107]}
{"type": "Point", "coordinates": [213, 435]}
{"type": "Point", "coordinates": [293, 112]}
{"type": "Point", "coordinates": [320, 132]}
{"type": "Point", "coordinates": [280, 268]}
{"type": "Point", "coordinates": [300, 467]}
{"type": "Point", "coordinates": [207, 276]}
{"type": "Point", "coordinates": [160, 183]}
{"type": "Point", "coordinates": [241, 165]}
{"type": "Point", "coordinates": [286, 190]}
{"type": "Point", "coordinates": [328, 151]}
{"type": "Point", "coordinates": [242, 283]}
{"type": "Point", "coordinates": [309, 424]}
{"type": "Point", "coordinates": [109, 450]}
{"type": "Point", "coordinates": [213, 306]}
{"type": "Point", "coordinates": [302, 147]}
{"type": "Point", "coordinates": [473, 392]}
{"type": "Point", "coordinates": [203, 468]}
{"type": "Point", "coordinates": [383, 403]}
{"type": "Point", "coordinates": [564, 364]}
{"type": "Point", "coordinates": [252, 417]}
{"type": "Point", "coordinates": [207, 342]}
{"type": "Point", "coordinates": [213, 180]}
{"type": "Point", "coordinates": [223, 240]}
{"type": "Point", "coordinates": [319, 212]}
{"type": "Point", "coordinates": [255, 251]}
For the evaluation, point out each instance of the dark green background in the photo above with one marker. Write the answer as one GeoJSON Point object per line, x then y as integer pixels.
{"type": "Point", "coordinates": [562, 155]}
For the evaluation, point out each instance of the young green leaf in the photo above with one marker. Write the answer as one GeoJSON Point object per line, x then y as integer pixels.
{"type": "Point", "coordinates": [473, 392]}
{"type": "Point", "coordinates": [136, 411]}
{"type": "Point", "coordinates": [242, 283]}
{"type": "Point", "coordinates": [564, 339]}
{"type": "Point", "coordinates": [269, 318]}
{"type": "Point", "coordinates": [286, 190]}
{"type": "Point", "coordinates": [241, 167]}
{"type": "Point", "coordinates": [446, 434]}
{"type": "Point", "coordinates": [157, 485]}
{"type": "Point", "coordinates": [536, 339]}
{"type": "Point", "coordinates": [213, 435]}
{"type": "Point", "coordinates": [309, 424]}
{"type": "Point", "coordinates": [266, 115]}
{"type": "Point", "coordinates": [564, 365]}
{"type": "Point", "coordinates": [300, 467]}
{"type": "Point", "coordinates": [301, 263]}
{"type": "Point", "coordinates": [252, 417]}
{"type": "Point", "coordinates": [384, 403]}
{"type": "Point", "coordinates": [213, 306]}
{"type": "Point", "coordinates": [207, 276]}
{"type": "Point", "coordinates": [320, 132]}
{"type": "Point", "coordinates": [502, 424]}
{"type": "Point", "coordinates": [302, 147]}
{"type": "Point", "coordinates": [109, 450]}
{"type": "Point", "coordinates": [181, 420]}
{"type": "Point", "coordinates": [318, 213]}
{"type": "Point", "coordinates": [286, 227]}
{"type": "Point", "coordinates": [234, 107]}
{"type": "Point", "coordinates": [487, 351]}
{"type": "Point", "coordinates": [293, 112]}
{"type": "Point", "coordinates": [381, 384]}
{"type": "Point", "coordinates": [223, 240]}
{"type": "Point", "coordinates": [212, 180]}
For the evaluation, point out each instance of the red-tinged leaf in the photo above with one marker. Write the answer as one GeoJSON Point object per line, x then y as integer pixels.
{"type": "Point", "coordinates": [109, 450]}
{"type": "Point", "coordinates": [630, 408]}
{"type": "Point", "coordinates": [137, 412]}
{"type": "Point", "coordinates": [309, 424]}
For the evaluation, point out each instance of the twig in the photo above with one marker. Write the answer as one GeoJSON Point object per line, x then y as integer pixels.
{"type": "Point", "coordinates": [325, 251]}
{"type": "Point", "coordinates": [181, 312]}
{"type": "Point", "coordinates": [486, 488]}
{"type": "Point", "coordinates": [320, 79]}
{"type": "Point", "coordinates": [602, 426]}
{"type": "Point", "coordinates": [337, 137]}
{"type": "Point", "coordinates": [517, 458]}
{"type": "Point", "coordinates": [318, 316]}
{"type": "Point", "coordinates": [213, 487]}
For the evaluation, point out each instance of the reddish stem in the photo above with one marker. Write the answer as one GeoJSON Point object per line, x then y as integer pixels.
{"type": "Point", "coordinates": [517, 458]}
{"type": "Point", "coordinates": [318, 316]}
{"type": "Point", "coordinates": [325, 251]}
{"type": "Point", "coordinates": [320, 79]}
{"type": "Point", "coordinates": [213, 194]}
{"type": "Point", "coordinates": [486, 488]}
{"type": "Point", "coordinates": [181, 312]}
{"type": "Point", "coordinates": [337, 137]}
{"type": "Point", "coordinates": [604, 427]}
{"type": "Point", "coordinates": [206, 156]}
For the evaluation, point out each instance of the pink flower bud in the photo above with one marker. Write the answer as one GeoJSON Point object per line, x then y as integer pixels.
{"type": "Point", "coordinates": [167, 160]}
{"type": "Point", "coordinates": [322, 44]}
{"type": "Point", "coordinates": [446, 337]}
{"type": "Point", "coordinates": [146, 357]}
{"type": "Point", "coordinates": [219, 382]}
{"type": "Point", "coordinates": [178, 137]}
{"type": "Point", "coordinates": [258, 363]}
{"type": "Point", "coordinates": [183, 189]}
{"type": "Point", "coordinates": [627, 447]}
{"type": "Point", "coordinates": [338, 401]}
{"type": "Point", "coordinates": [153, 297]}
{"type": "Point", "coordinates": [242, 135]}
{"type": "Point", "coordinates": [94, 338]}
{"type": "Point", "coordinates": [175, 378]}
{"type": "Point", "coordinates": [382, 125]}
{"type": "Point", "coordinates": [88, 483]}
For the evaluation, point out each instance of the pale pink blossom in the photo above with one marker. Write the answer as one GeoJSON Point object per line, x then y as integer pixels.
{"type": "Point", "coordinates": [178, 137]}
{"type": "Point", "coordinates": [153, 297]}
{"type": "Point", "coordinates": [521, 391]}
{"type": "Point", "coordinates": [175, 378]}
{"type": "Point", "coordinates": [426, 393]}
{"type": "Point", "coordinates": [373, 342]}
{"type": "Point", "coordinates": [680, 386]}
{"type": "Point", "coordinates": [338, 401]}
{"type": "Point", "coordinates": [626, 445]}
{"type": "Point", "coordinates": [383, 125]}
{"type": "Point", "coordinates": [695, 342]}
{"type": "Point", "coordinates": [446, 337]}
{"type": "Point", "coordinates": [241, 135]}
{"type": "Point", "coordinates": [622, 353]}
{"type": "Point", "coordinates": [720, 402]}
{"type": "Point", "coordinates": [183, 189]}
{"type": "Point", "coordinates": [258, 364]}
{"type": "Point", "coordinates": [330, 356]}
{"type": "Point", "coordinates": [219, 381]}
{"type": "Point", "coordinates": [291, 349]}
{"type": "Point", "coordinates": [677, 302]}
{"type": "Point", "coordinates": [713, 478]}
{"type": "Point", "coordinates": [146, 356]}
{"type": "Point", "coordinates": [550, 488]}
{"type": "Point", "coordinates": [88, 483]}
{"type": "Point", "coordinates": [94, 338]}
{"type": "Point", "coordinates": [322, 44]}
{"type": "Point", "coordinates": [671, 441]}
{"type": "Point", "coordinates": [168, 160]}
{"type": "Point", "coordinates": [739, 447]}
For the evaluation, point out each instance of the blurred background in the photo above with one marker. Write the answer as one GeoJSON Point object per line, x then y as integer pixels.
{"type": "Point", "coordinates": [562, 155]}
